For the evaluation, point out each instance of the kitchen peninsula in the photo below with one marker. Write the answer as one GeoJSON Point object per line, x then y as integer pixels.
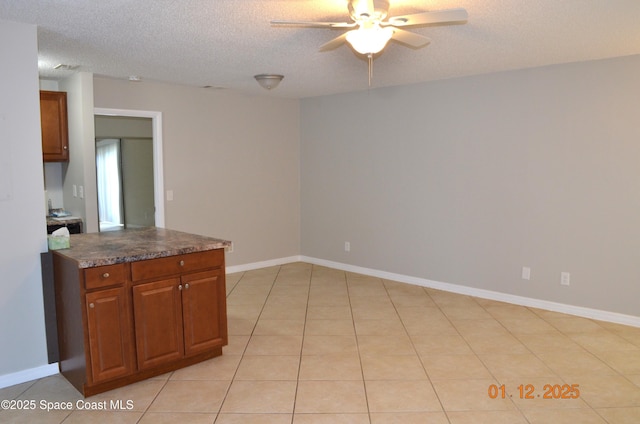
{"type": "Point", "coordinates": [133, 304]}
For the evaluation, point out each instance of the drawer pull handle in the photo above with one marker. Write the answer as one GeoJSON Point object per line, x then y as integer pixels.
{"type": "Point", "coordinates": [186, 286]}
{"type": "Point", "coordinates": [91, 305]}
{"type": "Point", "coordinates": [105, 275]}
{"type": "Point", "coordinates": [181, 263]}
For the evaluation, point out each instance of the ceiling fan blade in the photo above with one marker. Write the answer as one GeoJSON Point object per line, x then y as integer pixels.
{"type": "Point", "coordinates": [335, 43]}
{"type": "Point", "coordinates": [410, 38]}
{"type": "Point", "coordinates": [434, 17]}
{"type": "Point", "coordinates": [314, 24]}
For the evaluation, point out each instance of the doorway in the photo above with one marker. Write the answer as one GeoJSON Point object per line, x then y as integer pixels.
{"type": "Point", "coordinates": [129, 168]}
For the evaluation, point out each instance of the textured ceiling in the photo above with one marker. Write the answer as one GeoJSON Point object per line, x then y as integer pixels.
{"type": "Point", "coordinates": [223, 43]}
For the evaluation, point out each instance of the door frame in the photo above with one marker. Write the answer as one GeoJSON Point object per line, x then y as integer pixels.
{"type": "Point", "coordinates": [158, 172]}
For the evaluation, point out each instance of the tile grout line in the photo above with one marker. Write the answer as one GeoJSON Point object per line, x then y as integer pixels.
{"type": "Point", "coordinates": [475, 353]}
{"type": "Point", "coordinates": [248, 341]}
{"type": "Point", "coordinates": [513, 402]}
{"type": "Point", "coordinates": [304, 330]}
{"type": "Point", "coordinates": [355, 333]}
{"type": "Point", "coordinates": [395, 307]}
{"type": "Point", "coordinates": [558, 376]}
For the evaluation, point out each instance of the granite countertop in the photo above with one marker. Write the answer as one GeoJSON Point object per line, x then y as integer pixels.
{"type": "Point", "coordinates": [52, 220]}
{"type": "Point", "coordinates": [112, 247]}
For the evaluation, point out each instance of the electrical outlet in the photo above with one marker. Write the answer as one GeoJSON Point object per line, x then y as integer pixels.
{"type": "Point", "coordinates": [347, 246]}
{"type": "Point", "coordinates": [526, 273]}
{"type": "Point", "coordinates": [565, 278]}
{"type": "Point", "coordinates": [229, 249]}
{"type": "Point", "coordinates": [81, 192]}
{"type": "Point", "coordinates": [169, 195]}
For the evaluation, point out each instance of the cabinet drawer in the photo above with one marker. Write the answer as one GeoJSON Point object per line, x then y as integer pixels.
{"type": "Point", "coordinates": [172, 265]}
{"type": "Point", "coordinates": [104, 276]}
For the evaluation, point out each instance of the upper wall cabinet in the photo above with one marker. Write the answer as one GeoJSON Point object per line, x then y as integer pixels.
{"type": "Point", "coordinates": [53, 117]}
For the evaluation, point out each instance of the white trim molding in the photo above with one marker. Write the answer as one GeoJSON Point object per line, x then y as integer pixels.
{"type": "Point", "coordinates": [158, 164]}
{"type": "Point", "coordinates": [30, 374]}
{"type": "Point", "coordinates": [262, 264]}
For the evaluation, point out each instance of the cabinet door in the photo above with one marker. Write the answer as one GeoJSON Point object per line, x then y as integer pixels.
{"type": "Point", "coordinates": [110, 334]}
{"type": "Point", "coordinates": [157, 312]}
{"type": "Point", "coordinates": [204, 311]}
{"type": "Point", "coordinates": [53, 122]}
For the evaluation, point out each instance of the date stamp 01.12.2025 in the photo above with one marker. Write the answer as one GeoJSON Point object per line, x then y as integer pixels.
{"type": "Point", "coordinates": [530, 391]}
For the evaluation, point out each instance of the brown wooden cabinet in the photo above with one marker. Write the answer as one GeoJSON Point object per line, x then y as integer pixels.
{"type": "Point", "coordinates": [140, 319]}
{"type": "Point", "coordinates": [158, 317]}
{"type": "Point", "coordinates": [182, 316]}
{"type": "Point", "coordinates": [54, 125]}
{"type": "Point", "coordinates": [110, 335]}
{"type": "Point", "coordinates": [202, 311]}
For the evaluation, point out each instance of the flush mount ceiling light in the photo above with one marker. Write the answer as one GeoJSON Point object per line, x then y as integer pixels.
{"type": "Point", "coordinates": [269, 81]}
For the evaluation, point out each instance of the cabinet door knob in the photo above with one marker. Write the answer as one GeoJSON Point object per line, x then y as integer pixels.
{"type": "Point", "coordinates": [105, 275]}
{"type": "Point", "coordinates": [186, 286]}
{"type": "Point", "coordinates": [65, 147]}
{"type": "Point", "coordinates": [91, 305]}
{"type": "Point", "coordinates": [180, 287]}
{"type": "Point", "coordinates": [181, 263]}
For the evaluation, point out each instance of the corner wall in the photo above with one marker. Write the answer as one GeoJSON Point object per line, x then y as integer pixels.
{"type": "Point", "coordinates": [81, 168]}
{"type": "Point", "coordinates": [231, 161]}
{"type": "Point", "coordinates": [465, 181]}
{"type": "Point", "coordinates": [22, 205]}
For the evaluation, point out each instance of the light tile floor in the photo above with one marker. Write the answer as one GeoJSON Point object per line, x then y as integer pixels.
{"type": "Point", "coordinates": [310, 344]}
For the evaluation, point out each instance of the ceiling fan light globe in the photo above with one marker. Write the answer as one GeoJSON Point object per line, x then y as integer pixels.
{"type": "Point", "coordinates": [369, 40]}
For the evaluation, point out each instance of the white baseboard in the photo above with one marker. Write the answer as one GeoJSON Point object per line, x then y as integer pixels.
{"type": "Point", "coordinates": [30, 374]}
{"type": "Point", "coordinates": [580, 311]}
{"type": "Point", "coordinates": [262, 264]}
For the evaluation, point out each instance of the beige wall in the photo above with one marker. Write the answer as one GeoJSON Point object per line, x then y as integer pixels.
{"type": "Point", "coordinates": [231, 161]}
{"type": "Point", "coordinates": [466, 181]}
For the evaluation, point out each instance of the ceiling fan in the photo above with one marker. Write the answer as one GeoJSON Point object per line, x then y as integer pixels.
{"type": "Point", "coordinates": [372, 30]}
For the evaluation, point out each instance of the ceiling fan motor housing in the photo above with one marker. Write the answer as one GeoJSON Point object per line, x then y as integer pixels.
{"type": "Point", "coordinates": [358, 8]}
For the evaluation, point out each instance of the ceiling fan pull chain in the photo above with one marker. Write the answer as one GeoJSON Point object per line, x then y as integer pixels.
{"type": "Point", "coordinates": [370, 56]}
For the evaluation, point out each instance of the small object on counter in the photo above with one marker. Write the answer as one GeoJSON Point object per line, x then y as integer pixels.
{"type": "Point", "coordinates": [59, 213]}
{"type": "Point", "coordinates": [59, 239]}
